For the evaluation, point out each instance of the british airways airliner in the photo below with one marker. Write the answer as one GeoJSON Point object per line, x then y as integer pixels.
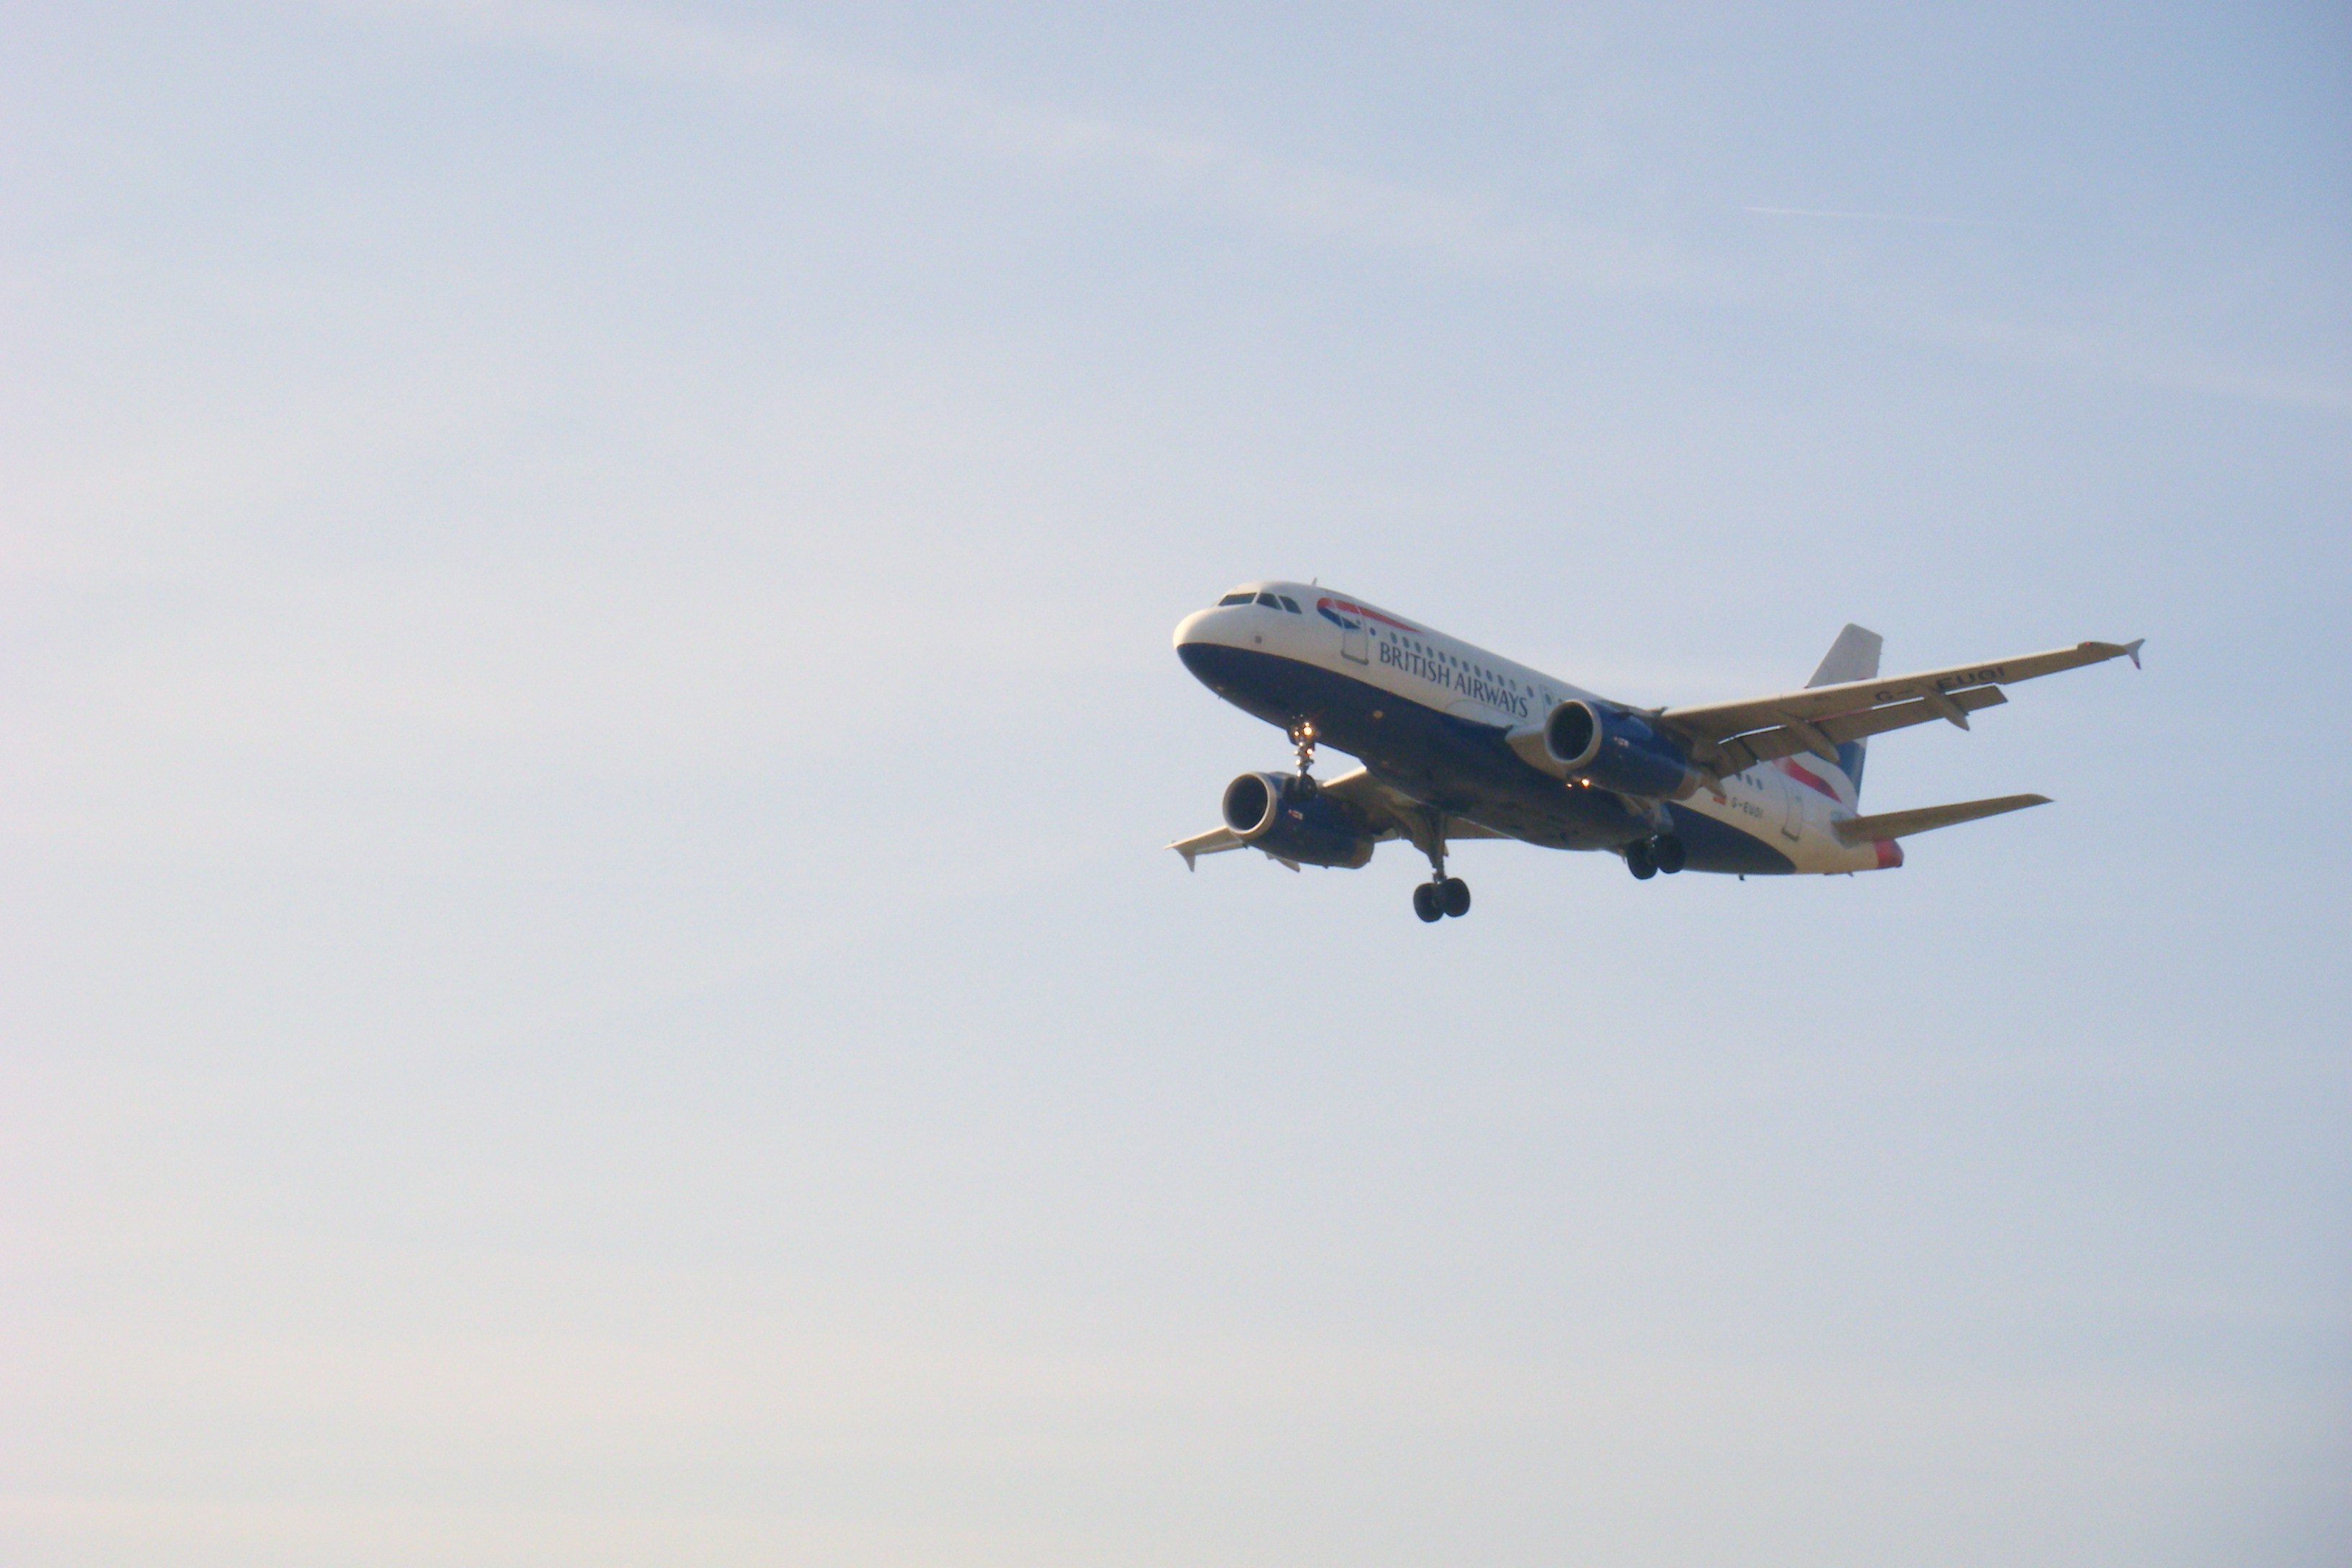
{"type": "Point", "coordinates": [1457, 743]}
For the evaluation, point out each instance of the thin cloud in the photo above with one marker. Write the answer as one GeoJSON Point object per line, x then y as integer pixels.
{"type": "Point", "coordinates": [1473, 232]}
{"type": "Point", "coordinates": [1877, 217]}
{"type": "Point", "coordinates": [1301, 198]}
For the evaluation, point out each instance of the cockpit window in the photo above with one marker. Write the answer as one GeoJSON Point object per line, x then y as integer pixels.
{"type": "Point", "coordinates": [1291, 604]}
{"type": "Point", "coordinates": [1235, 599]}
{"type": "Point", "coordinates": [1271, 601]}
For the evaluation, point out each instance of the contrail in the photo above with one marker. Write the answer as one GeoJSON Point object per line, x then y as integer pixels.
{"type": "Point", "coordinates": [1878, 217]}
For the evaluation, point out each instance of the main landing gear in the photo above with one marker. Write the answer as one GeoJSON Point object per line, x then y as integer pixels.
{"type": "Point", "coordinates": [1645, 857]}
{"type": "Point", "coordinates": [1433, 900]}
{"type": "Point", "coordinates": [1442, 895]}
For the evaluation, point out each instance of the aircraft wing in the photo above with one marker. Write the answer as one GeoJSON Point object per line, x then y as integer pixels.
{"type": "Point", "coordinates": [1216, 841]}
{"type": "Point", "coordinates": [1728, 737]}
{"type": "Point", "coordinates": [1391, 812]}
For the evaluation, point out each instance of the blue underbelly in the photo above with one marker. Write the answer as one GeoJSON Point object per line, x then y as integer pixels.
{"type": "Point", "coordinates": [1458, 766]}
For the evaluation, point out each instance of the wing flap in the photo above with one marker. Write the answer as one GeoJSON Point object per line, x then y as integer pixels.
{"type": "Point", "coordinates": [1400, 815]}
{"type": "Point", "coordinates": [1903, 824]}
{"type": "Point", "coordinates": [1717, 721]}
{"type": "Point", "coordinates": [1742, 751]}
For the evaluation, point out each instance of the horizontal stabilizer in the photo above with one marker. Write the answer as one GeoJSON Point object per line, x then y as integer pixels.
{"type": "Point", "coordinates": [1903, 824]}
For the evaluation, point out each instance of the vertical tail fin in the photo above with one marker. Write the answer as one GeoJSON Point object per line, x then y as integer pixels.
{"type": "Point", "coordinates": [1853, 657]}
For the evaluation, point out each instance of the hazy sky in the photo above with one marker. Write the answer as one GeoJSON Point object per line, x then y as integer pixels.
{"type": "Point", "coordinates": [590, 971]}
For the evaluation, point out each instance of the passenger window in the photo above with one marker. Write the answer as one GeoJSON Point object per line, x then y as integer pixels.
{"type": "Point", "coordinates": [1235, 599]}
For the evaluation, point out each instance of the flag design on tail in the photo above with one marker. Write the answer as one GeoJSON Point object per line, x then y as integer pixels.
{"type": "Point", "coordinates": [1853, 657]}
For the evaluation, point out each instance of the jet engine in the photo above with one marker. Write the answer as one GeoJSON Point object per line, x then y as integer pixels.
{"type": "Point", "coordinates": [1618, 750]}
{"type": "Point", "coordinates": [1270, 812]}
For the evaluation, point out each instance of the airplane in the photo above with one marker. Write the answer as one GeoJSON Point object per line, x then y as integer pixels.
{"type": "Point", "coordinates": [1458, 743]}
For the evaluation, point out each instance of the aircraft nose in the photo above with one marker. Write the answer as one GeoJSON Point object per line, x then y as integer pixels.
{"type": "Point", "coordinates": [1193, 628]}
{"type": "Point", "coordinates": [1204, 641]}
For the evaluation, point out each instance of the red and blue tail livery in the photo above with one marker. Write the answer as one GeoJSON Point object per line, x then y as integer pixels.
{"type": "Point", "coordinates": [1456, 743]}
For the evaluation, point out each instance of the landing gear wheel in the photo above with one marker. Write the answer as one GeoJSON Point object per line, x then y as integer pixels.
{"type": "Point", "coordinates": [1442, 895]}
{"type": "Point", "coordinates": [1666, 853]}
{"type": "Point", "coordinates": [1638, 861]}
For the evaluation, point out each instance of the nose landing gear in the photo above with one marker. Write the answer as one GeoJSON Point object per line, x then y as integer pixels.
{"type": "Point", "coordinates": [1303, 736]}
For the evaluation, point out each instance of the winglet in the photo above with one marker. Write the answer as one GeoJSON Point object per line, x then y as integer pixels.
{"type": "Point", "coordinates": [1189, 853]}
{"type": "Point", "coordinates": [2132, 649]}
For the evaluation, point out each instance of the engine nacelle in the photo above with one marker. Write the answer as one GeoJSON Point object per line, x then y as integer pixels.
{"type": "Point", "coordinates": [1269, 812]}
{"type": "Point", "coordinates": [1617, 751]}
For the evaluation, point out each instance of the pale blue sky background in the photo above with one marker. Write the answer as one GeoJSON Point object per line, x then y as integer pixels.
{"type": "Point", "coordinates": [590, 975]}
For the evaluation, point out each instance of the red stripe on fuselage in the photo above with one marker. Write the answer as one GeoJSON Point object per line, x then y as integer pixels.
{"type": "Point", "coordinates": [1370, 614]}
{"type": "Point", "coordinates": [1805, 775]}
